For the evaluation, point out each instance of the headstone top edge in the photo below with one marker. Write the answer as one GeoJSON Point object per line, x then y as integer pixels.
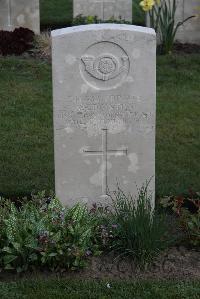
{"type": "Point", "coordinates": [105, 26]}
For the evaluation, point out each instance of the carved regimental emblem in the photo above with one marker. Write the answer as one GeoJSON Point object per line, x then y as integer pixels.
{"type": "Point", "coordinates": [105, 65]}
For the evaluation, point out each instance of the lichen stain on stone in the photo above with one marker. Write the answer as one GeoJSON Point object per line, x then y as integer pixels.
{"type": "Point", "coordinates": [69, 130]}
{"type": "Point", "coordinates": [64, 182]}
{"type": "Point", "coordinates": [84, 88]}
{"type": "Point", "coordinates": [129, 79]}
{"type": "Point", "coordinates": [145, 128]}
{"type": "Point", "coordinates": [133, 167]}
{"type": "Point", "coordinates": [98, 160]}
{"type": "Point", "coordinates": [88, 162]}
{"type": "Point", "coordinates": [70, 59]}
{"type": "Point", "coordinates": [28, 10]}
{"type": "Point", "coordinates": [83, 149]}
{"type": "Point", "coordinates": [96, 179]}
{"type": "Point", "coordinates": [21, 19]}
{"type": "Point", "coordinates": [136, 53]}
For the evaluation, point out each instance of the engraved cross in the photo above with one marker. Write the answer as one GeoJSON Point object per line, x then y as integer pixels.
{"type": "Point", "coordinates": [105, 152]}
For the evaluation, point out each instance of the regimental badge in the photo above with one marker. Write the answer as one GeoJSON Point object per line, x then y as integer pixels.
{"type": "Point", "coordinates": [105, 65]}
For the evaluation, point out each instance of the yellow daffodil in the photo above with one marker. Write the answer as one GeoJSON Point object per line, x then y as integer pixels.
{"type": "Point", "coordinates": [147, 4]}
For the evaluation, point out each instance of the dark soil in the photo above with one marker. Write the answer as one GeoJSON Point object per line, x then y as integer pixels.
{"type": "Point", "coordinates": [186, 48]}
{"type": "Point", "coordinates": [176, 263]}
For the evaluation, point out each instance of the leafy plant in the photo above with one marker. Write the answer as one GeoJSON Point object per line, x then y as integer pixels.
{"type": "Point", "coordinates": [161, 14]}
{"type": "Point", "coordinates": [167, 26]}
{"type": "Point", "coordinates": [42, 44]}
{"type": "Point", "coordinates": [106, 229]}
{"type": "Point", "coordinates": [188, 211]}
{"type": "Point", "coordinates": [85, 20]}
{"type": "Point", "coordinates": [16, 42]}
{"type": "Point", "coordinates": [193, 229]}
{"type": "Point", "coordinates": [43, 233]}
{"type": "Point", "coordinates": [141, 232]}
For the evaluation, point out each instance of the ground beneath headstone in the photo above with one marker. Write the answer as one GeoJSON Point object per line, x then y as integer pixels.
{"type": "Point", "coordinates": [186, 48]}
{"type": "Point", "coordinates": [177, 263]}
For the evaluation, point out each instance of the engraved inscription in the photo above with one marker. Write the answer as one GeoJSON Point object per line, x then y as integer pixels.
{"type": "Point", "coordinates": [104, 65]}
{"type": "Point", "coordinates": [113, 111]}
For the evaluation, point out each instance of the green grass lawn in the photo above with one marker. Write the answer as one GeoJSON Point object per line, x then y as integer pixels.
{"type": "Point", "coordinates": [26, 134]}
{"type": "Point", "coordinates": [59, 13]}
{"type": "Point", "coordinates": [26, 147]}
{"type": "Point", "coordinates": [47, 289]}
{"type": "Point", "coordinates": [55, 13]}
{"type": "Point", "coordinates": [178, 124]}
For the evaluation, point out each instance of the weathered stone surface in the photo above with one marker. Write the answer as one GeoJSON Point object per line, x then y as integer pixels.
{"type": "Point", "coordinates": [20, 13]}
{"type": "Point", "coordinates": [104, 9]}
{"type": "Point", "coordinates": [104, 110]}
{"type": "Point", "coordinates": [190, 31]}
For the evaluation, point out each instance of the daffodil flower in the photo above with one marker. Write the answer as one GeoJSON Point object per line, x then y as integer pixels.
{"type": "Point", "coordinates": [147, 4]}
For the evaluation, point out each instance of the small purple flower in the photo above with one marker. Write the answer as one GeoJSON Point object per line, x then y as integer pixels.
{"type": "Point", "coordinates": [44, 233]}
{"type": "Point", "coordinates": [62, 216]}
{"type": "Point", "coordinates": [88, 253]}
{"type": "Point", "coordinates": [102, 226]}
{"type": "Point", "coordinates": [48, 201]}
{"type": "Point", "coordinates": [114, 225]}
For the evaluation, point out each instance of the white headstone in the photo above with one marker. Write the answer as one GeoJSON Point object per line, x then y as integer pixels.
{"type": "Point", "coordinates": [20, 13]}
{"type": "Point", "coordinates": [104, 86]}
{"type": "Point", "coordinates": [104, 9]}
{"type": "Point", "coordinates": [190, 31]}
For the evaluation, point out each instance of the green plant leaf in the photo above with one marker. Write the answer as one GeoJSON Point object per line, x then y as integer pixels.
{"type": "Point", "coordinates": [9, 258]}
{"type": "Point", "coordinates": [16, 245]}
{"type": "Point", "coordinates": [52, 254]}
{"type": "Point", "coordinates": [8, 267]}
{"type": "Point", "coordinates": [7, 249]}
